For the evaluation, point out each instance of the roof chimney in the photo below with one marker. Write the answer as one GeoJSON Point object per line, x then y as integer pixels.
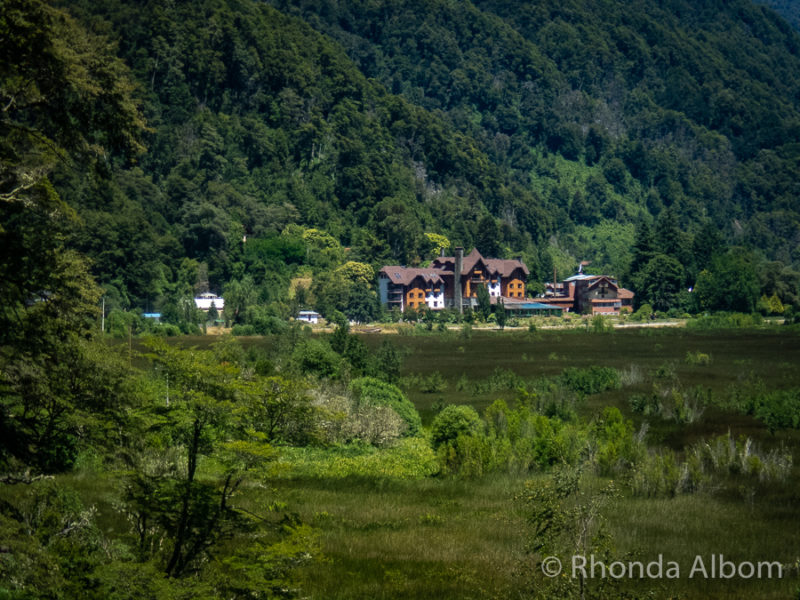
{"type": "Point", "coordinates": [457, 279]}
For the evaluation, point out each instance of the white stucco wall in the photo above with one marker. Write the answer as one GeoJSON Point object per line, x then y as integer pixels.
{"type": "Point", "coordinates": [204, 302]}
{"type": "Point", "coordinates": [435, 301]}
{"type": "Point", "coordinates": [494, 288]}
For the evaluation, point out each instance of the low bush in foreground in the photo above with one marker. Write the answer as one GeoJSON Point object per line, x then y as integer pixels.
{"type": "Point", "coordinates": [725, 321]}
{"type": "Point", "coordinates": [410, 458]}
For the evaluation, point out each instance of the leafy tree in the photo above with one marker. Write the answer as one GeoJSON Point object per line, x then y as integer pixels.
{"type": "Point", "coordinates": [454, 421]}
{"type": "Point", "coordinates": [281, 410]}
{"type": "Point", "coordinates": [661, 281]}
{"type": "Point", "coordinates": [239, 296]}
{"type": "Point", "coordinates": [736, 281]}
{"type": "Point", "coordinates": [566, 519]}
{"type": "Point", "coordinates": [356, 273]}
{"type": "Point", "coordinates": [708, 241]}
{"type": "Point", "coordinates": [331, 294]}
{"type": "Point", "coordinates": [339, 337]}
{"type": "Point", "coordinates": [643, 248]}
{"type": "Point", "coordinates": [388, 362]}
{"type": "Point", "coordinates": [484, 308]}
{"type": "Point", "coordinates": [667, 234]}
{"type": "Point", "coordinates": [213, 313]}
{"type": "Point", "coordinates": [64, 97]}
{"type": "Point", "coordinates": [192, 514]}
{"type": "Point", "coordinates": [705, 291]}
{"type": "Point", "coordinates": [428, 317]}
{"type": "Point", "coordinates": [781, 280]}
{"type": "Point", "coordinates": [372, 391]}
{"type": "Point", "coordinates": [500, 314]}
{"type": "Point", "coordinates": [437, 243]}
{"type": "Point", "coordinates": [396, 223]}
{"type": "Point", "coordinates": [357, 354]}
{"type": "Point", "coordinates": [469, 315]}
{"type": "Point", "coordinates": [362, 303]}
{"type": "Point", "coordinates": [488, 236]}
{"type": "Point", "coordinates": [315, 357]}
{"type": "Point", "coordinates": [410, 314]}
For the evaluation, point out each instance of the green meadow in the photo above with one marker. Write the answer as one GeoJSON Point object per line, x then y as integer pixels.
{"type": "Point", "coordinates": [410, 536]}
{"type": "Point", "coordinates": [651, 447]}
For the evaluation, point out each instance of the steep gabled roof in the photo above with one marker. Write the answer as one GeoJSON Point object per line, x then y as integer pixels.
{"type": "Point", "coordinates": [446, 263]}
{"type": "Point", "coordinates": [444, 266]}
{"type": "Point", "coordinates": [405, 275]}
{"type": "Point", "coordinates": [601, 279]}
{"type": "Point", "coordinates": [505, 267]}
{"type": "Point", "coordinates": [470, 260]}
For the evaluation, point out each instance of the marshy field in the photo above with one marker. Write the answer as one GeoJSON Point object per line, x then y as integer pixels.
{"type": "Point", "coordinates": [470, 536]}
{"type": "Point", "coordinates": [666, 456]}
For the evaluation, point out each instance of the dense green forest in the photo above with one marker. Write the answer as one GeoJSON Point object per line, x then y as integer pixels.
{"type": "Point", "coordinates": [649, 139]}
{"type": "Point", "coordinates": [788, 9]}
{"type": "Point", "coordinates": [278, 155]}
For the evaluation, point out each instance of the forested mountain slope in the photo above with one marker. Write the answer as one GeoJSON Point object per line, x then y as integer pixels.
{"type": "Point", "coordinates": [553, 130]}
{"type": "Point", "coordinates": [788, 9]}
{"type": "Point", "coordinates": [695, 99]}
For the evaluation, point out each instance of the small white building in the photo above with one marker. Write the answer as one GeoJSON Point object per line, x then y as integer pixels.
{"type": "Point", "coordinates": [308, 316]}
{"type": "Point", "coordinates": [206, 300]}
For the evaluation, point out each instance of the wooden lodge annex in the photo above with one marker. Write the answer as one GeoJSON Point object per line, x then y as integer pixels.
{"type": "Point", "coordinates": [453, 281]}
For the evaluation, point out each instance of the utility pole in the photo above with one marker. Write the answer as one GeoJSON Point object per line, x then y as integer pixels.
{"type": "Point", "coordinates": [103, 317]}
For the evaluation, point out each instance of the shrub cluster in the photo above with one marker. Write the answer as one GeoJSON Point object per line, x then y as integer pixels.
{"type": "Point", "coordinates": [663, 474]}
{"type": "Point", "coordinates": [370, 391]}
{"type": "Point", "coordinates": [698, 358]}
{"type": "Point", "coordinates": [510, 440]}
{"type": "Point", "coordinates": [672, 403]}
{"type": "Point", "coordinates": [778, 409]}
{"type": "Point", "coordinates": [370, 411]}
{"type": "Point", "coordinates": [592, 380]}
{"type": "Point", "coordinates": [521, 440]}
{"type": "Point", "coordinates": [725, 321]}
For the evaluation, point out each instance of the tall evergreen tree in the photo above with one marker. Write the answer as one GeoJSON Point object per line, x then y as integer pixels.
{"type": "Point", "coordinates": [643, 248]}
